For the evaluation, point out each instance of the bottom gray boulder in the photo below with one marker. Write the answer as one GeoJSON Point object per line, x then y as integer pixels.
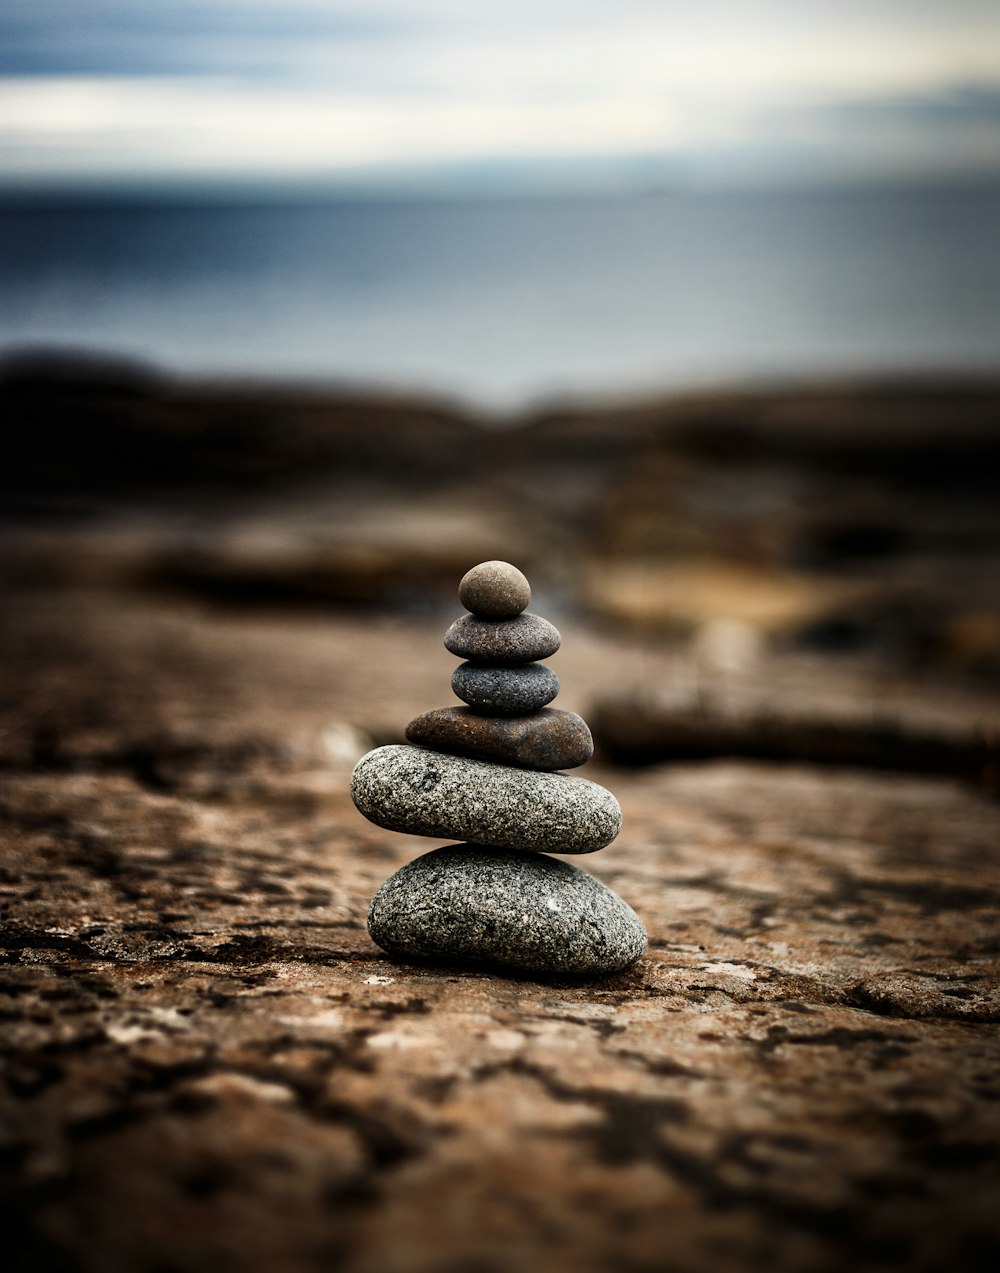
{"type": "Point", "coordinates": [503, 908]}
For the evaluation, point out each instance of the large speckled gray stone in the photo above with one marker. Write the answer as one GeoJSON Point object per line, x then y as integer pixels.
{"type": "Point", "coordinates": [494, 590]}
{"type": "Point", "coordinates": [549, 739]}
{"type": "Point", "coordinates": [499, 908]}
{"type": "Point", "coordinates": [426, 793]}
{"type": "Point", "coordinates": [505, 690]}
{"type": "Point", "coordinates": [521, 640]}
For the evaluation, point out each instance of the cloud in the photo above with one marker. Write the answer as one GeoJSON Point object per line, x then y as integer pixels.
{"type": "Point", "coordinates": [178, 125]}
{"type": "Point", "coordinates": [111, 88]}
{"type": "Point", "coordinates": [958, 105]}
{"type": "Point", "coordinates": [952, 129]}
{"type": "Point", "coordinates": [884, 43]}
{"type": "Point", "coordinates": [150, 37]}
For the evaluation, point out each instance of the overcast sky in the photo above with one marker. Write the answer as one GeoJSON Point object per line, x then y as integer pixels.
{"type": "Point", "coordinates": [473, 95]}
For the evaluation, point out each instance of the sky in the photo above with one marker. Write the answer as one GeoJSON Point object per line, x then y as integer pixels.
{"type": "Point", "coordinates": [470, 95]}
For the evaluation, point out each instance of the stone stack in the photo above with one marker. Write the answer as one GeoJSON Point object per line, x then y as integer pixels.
{"type": "Point", "coordinates": [487, 774]}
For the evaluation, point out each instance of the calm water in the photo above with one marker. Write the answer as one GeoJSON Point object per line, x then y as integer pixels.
{"type": "Point", "coordinates": [507, 301]}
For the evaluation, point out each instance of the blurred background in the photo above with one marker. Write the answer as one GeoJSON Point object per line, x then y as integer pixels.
{"type": "Point", "coordinates": [503, 206]}
{"type": "Point", "coordinates": [691, 310]}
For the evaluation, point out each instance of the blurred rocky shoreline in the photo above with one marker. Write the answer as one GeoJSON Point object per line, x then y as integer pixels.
{"type": "Point", "coordinates": [815, 571]}
{"type": "Point", "coordinates": [841, 518]}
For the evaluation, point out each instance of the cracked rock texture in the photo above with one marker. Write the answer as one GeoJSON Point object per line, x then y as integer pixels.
{"type": "Point", "coordinates": [209, 1066]}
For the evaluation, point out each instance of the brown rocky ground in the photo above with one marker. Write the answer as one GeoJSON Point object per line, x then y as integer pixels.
{"type": "Point", "coordinates": [208, 1065]}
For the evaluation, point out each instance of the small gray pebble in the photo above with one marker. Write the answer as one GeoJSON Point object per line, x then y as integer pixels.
{"type": "Point", "coordinates": [427, 793]}
{"type": "Point", "coordinates": [503, 909]}
{"type": "Point", "coordinates": [549, 739]}
{"type": "Point", "coordinates": [514, 690]}
{"type": "Point", "coordinates": [494, 590]}
{"type": "Point", "coordinates": [525, 639]}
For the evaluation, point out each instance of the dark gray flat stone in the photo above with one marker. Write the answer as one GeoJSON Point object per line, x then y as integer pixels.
{"type": "Point", "coordinates": [525, 639]}
{"type": "Point", "coordinates": [499, 908]}
{"type": "Point", "coordinates": [511, 690]}
{"type": "Point", "coordinates": [494, 590]}
{"type": "Point", "coordinates": [427, 793]}
{"type": "Point", "coordinates": [549, 739]}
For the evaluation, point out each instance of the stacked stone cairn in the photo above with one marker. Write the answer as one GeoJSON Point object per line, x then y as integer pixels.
{"type": "Point", "coordinates": [487, 774]}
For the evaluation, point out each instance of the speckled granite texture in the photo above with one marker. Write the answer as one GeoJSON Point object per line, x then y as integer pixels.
{"type": "Point", "coordinates": [426, 793]}
{"type": "Point", "coordinates": [497, 907]}
{"type": "Point", "coordinates": [522, 640]}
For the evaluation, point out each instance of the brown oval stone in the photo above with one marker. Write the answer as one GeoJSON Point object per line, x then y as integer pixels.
{"type": "Point", "coordinates": [494, 590]}
{"type": "Point", "coordinates": [522, 640]}
{"type": "Point", "coordinates": [550, 739]}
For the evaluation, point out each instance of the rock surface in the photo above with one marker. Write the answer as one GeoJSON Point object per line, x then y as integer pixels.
{"type": "Point", "coordinates": [426, 793]}
{"type": "Point", "coordinates": [500, 908]}
{"type": "Point", "coordinates": [548, 740]}
{"type": "Point", "coordinates": [505, 691]}
{"type": "Point", "coordinates": [494, 590]}
{"type": "Point", "coordinates": [208, 1066]}
{"type": "Point", "coordinates": [522, 640]}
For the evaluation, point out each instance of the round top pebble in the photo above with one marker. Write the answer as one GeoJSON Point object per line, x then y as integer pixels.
{"type": "Point", "coordinates": [494, 590]}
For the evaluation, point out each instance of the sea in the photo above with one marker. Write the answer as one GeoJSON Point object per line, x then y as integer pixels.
{"type": "Point", "coordinates": [508, 303]}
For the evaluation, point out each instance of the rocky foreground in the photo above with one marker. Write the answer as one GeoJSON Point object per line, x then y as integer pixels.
{"type": "Point", "coordinates": [208, 1064]}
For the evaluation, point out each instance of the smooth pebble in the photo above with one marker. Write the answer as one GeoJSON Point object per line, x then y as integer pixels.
{"type": "Point", "coordinates": [549, 739]}
{"type": "Point", "coordinates": [494, 590]}
{"type": "Point", "coordinates": [499, 908]}
{"type": "Point", "coordinates": [512, 690]}
{"type": "Point", "coordinates": [525, 639]}
{"type": "Point", "coordinates": [424, 792]}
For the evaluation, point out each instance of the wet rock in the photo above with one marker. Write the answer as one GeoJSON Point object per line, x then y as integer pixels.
{"type": "Point", "coordinates": [494, 590]}
{"type": "Point", "coordinates": [505, 691]}
{"type": "Point", "coordinates": [427, 793]}
{"type": "Point", "coordinates": [503, 909]}
{"type": "Point", "coordinates": [548, 740]}
{"type": "Point", "coordinates": [525, 639]}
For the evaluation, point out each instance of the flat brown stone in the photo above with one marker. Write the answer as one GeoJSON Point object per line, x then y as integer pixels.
{"type": "Point", "coordinates": [550, 739]}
